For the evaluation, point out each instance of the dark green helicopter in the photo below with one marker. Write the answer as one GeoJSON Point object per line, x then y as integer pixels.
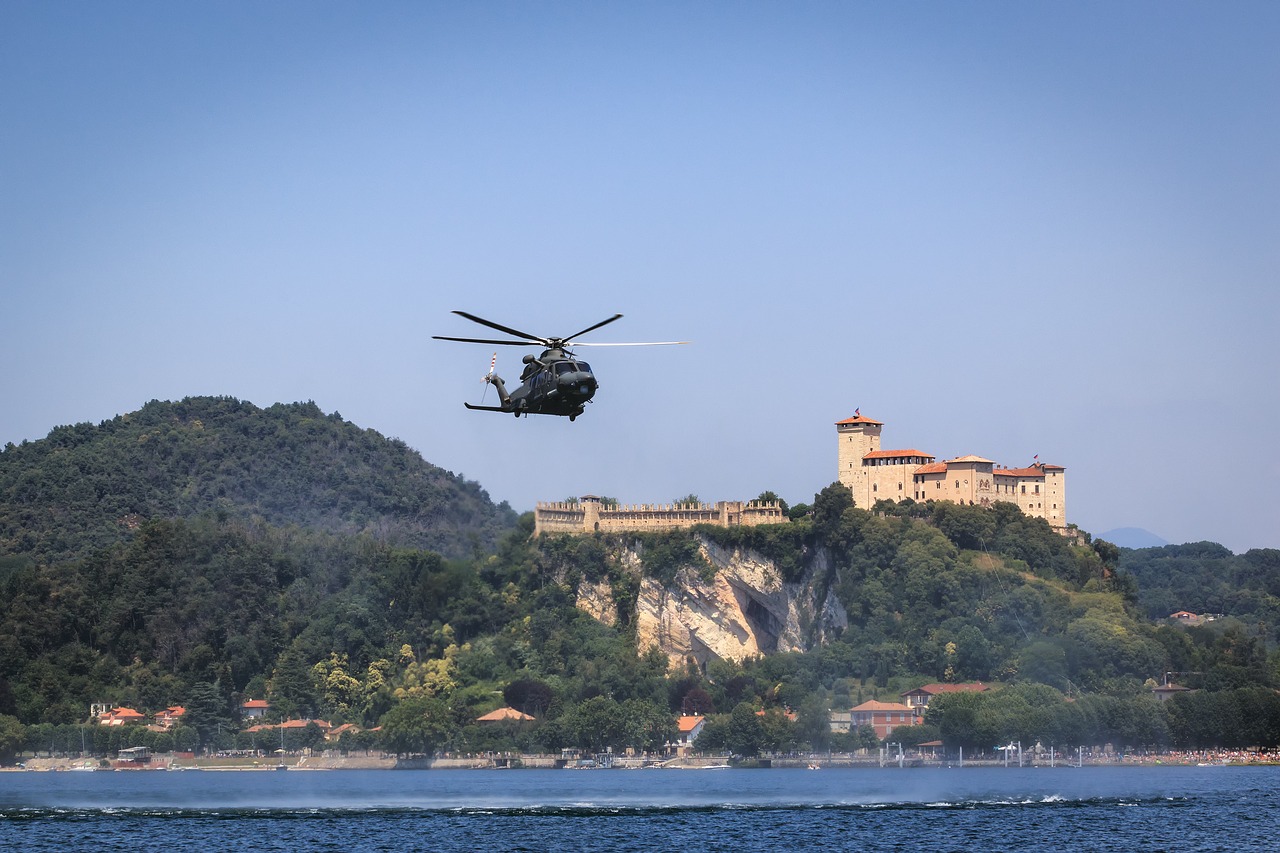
{"type": "Point", "coordinates": [554, 383]}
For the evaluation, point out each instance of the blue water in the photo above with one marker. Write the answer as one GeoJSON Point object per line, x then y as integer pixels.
{"type": "Point", "coordinates": [1113, 808]}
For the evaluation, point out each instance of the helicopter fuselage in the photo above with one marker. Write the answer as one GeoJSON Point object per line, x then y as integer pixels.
{"type": "Point", "coordinates": [555, 383]}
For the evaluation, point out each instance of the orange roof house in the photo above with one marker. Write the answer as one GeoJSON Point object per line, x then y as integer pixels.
{"type": "Point", "coordinates": [337, 732]}
{"type": "Point", "coordinates": [884, 717]}
{"type": "Point", "coordinates": [254, 708]}
{"type": "Point", "coordinates": [170, 717]}
{"type": "Point", "coordinates": [920, 696]}
{"type": "Point", "coordinates": [121, 716]}
{"type": "Point", "coordinates": [503, 715]}
{"type": "Point", "coordinates": [302, 724]}
{"type": "Point", "coordinates": [689, 727]}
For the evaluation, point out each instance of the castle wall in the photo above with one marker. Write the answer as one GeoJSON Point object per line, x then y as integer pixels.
{"type": "Point", "coordinates": [590, 516]}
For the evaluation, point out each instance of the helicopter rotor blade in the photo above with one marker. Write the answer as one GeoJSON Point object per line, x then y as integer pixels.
{"type": "Point", "coordinates": [566, 340]}
{"type": "Point", "coordinates": [637, 344]}
{"type": "Point", "coordinates": [510, 331]}
{"type": "Point", "coordinates": [487, 341]}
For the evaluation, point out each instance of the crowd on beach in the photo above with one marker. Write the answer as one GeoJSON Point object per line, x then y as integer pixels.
{"type": "Point", "coordinates": [1203, 757]}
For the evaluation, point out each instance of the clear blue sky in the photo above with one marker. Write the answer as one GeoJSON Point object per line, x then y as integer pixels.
{"type": "Point", "coordinates": [1002, 228]}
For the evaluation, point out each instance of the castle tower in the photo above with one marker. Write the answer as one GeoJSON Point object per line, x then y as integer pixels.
{"type": "Point", "coordinates": [856, 436]}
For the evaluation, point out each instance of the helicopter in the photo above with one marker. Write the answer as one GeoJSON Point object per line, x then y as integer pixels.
{"type": "Point", "coordinates": [553, 383]}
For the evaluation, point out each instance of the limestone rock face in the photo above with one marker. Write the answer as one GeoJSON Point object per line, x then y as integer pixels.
{"type": "Point", "coordinates": [746, 610]}
{"type": "Point", "coordinates": [596, 599]}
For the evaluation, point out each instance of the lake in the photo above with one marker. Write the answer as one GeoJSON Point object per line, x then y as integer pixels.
{"type": "Point", "coordinates": [1109, 808]}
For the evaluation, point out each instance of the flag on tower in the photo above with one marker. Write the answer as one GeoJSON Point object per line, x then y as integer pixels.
{"type": "Point", "coordinates": [857, 413]}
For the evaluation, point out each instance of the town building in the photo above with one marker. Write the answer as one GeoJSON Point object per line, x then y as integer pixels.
{"type": "Point", "coordinates": [589, 514]}
{"type": "Point", "coordinates": [121, 717]}
{"type": "Point", "coordinates": [688, 728]}
{"type": "Point", "coordinates": [170, 717]}
{"type": "Point", "coordinates": [254, 709]}
{"type": "Point", "coordinates": [874, 474]}
{"type": "Point", "coordinates": [884, 717]}
{"type": "Point", "coordinates": [335, 734]}
{"type": "Point", "coordinates": [918, 698]}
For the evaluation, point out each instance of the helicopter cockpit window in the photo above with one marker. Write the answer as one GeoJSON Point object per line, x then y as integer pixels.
{"type": "Point", "coordinates": [566, 367]}
{"type": "Point", "coordinates": [584, 367]}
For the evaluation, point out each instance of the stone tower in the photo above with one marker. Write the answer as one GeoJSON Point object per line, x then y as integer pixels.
{"type": "Point", "coordinates": [857, 436]}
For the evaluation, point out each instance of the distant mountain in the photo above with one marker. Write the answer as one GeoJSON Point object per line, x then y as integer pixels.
{"type": "Point", "coordinates": [1132, 537]}
{"type": "Point", "coordinates": [85, 487]}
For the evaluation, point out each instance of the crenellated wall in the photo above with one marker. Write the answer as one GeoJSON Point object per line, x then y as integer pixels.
{"type": "Point", "coordinates": [590, 515]}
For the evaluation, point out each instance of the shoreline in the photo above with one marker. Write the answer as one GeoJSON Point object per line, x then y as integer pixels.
{"type": "Point", "coordinates": [169, 763]}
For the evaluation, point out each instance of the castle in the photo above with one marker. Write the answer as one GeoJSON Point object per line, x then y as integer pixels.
{"type": "Point", "coordinates": [873, 474]}
{"type": "Point", "coordinates": [870, 473]}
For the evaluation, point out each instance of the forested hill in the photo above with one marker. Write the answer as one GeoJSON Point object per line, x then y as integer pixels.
{"type": "Point", "coordinates": [85, 487]}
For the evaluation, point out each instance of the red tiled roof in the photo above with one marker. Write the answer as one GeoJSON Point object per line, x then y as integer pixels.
{"type": "Point", "coordinates": [873, 705]}
{"type": "Point", "coordinates": [1019, 472]}
{"type": "Point", "coordinates": [932, 468]}
{"type": "Point", "coordinates": [860, 419]}
{"type": "Point", "coordinates": [256, 703]}
{"type": "Point", "coordinates": [302, 724]}
{"type": "Point", "coordinates": [503, 714]}
{"type": "Point", "coordinates": [933, 689]}
{"type": "Point", "coordinates": [893, 454]}
{"type": "Point", "coordinates": [124, 713]}
{"type": "Point", "coordinates": [972, 458]}
{"type": "Point", "coordinates": [688, 724]}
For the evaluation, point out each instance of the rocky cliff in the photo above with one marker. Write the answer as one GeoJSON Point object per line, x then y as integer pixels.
{"type": "Point", "coordinates": [746, 609]}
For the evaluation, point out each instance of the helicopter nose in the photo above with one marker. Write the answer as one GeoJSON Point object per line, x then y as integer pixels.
{"type": "Point", "coordinates": [581, 385]}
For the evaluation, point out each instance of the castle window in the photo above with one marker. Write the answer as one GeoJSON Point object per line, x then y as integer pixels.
{"type": "Point", "coordinates": [1024, 490]}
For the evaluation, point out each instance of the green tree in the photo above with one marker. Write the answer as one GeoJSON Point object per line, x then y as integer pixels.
{"type": "Point", "coordinates": [13, 736]}
{"type": "Point", "coordinates": [418, 724]}
{"type": "Point", "coordinates": [529, 695]}
{"type": "Point", "coordinates": [206, 711]}
{"type": "Point", "coordinates": [745, 734]}
{"type": "Point", "coordinates": [772, 497]}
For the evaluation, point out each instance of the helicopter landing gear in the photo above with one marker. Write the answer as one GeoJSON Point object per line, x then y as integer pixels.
{"type": "Point", "coordinates": [573, 417]}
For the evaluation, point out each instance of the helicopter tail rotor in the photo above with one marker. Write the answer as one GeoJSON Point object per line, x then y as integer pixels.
{"type": "Point", "coordinates": [487, 379]}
